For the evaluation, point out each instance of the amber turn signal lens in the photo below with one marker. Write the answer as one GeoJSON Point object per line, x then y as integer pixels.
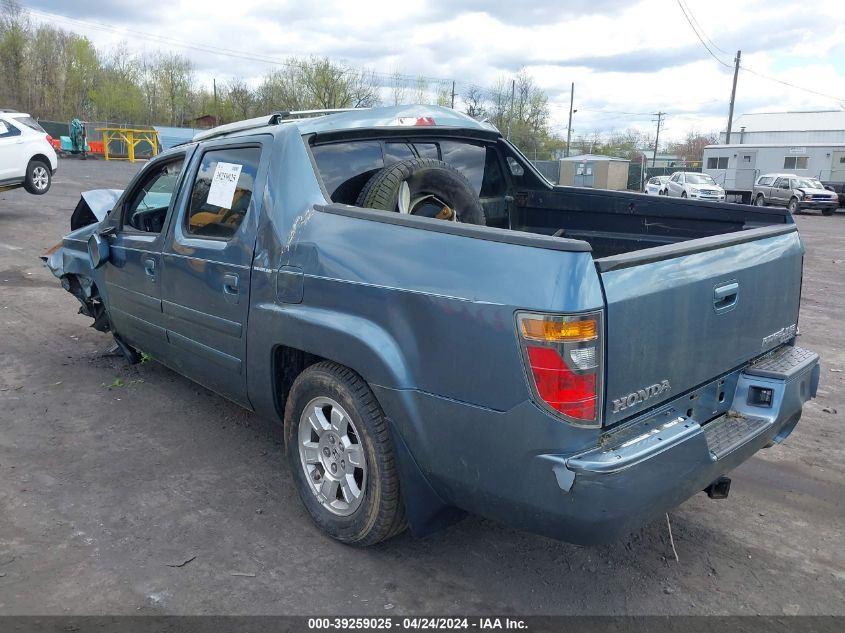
{"type": "Point", "coordinates": [558, 331]}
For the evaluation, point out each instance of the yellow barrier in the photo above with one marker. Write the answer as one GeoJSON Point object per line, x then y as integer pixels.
{"type": "Point", "coordinates": [129, 136]}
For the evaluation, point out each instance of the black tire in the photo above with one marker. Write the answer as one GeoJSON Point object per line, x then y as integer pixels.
{"type": "Point", "coordinates": [760, 200]}
{"type": "Point", "coordinates": [38, 178]}
{"type": "Point", "coordinates": [828, 211]}
{"type": "Point", "coordinates": [683, 194]}
{"type": "Point", "coordinates": [381, 513]}
{"type": "Point", "coordinates": [793, 206]}
{"type": "Point", "coordinates": [424, 176]}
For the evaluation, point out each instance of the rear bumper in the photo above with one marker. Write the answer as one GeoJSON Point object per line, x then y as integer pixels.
{"type": "Point", "coordinates": [493, 464]}
{"type": "Point", "coordinates": [660, 461]}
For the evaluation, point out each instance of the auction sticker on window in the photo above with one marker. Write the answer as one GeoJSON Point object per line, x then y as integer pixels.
{"type": "Point", "coordinates": [223, 184]}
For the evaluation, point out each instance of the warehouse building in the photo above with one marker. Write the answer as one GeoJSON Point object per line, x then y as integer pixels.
{"type": "Point", "coordinates": [804, 143]}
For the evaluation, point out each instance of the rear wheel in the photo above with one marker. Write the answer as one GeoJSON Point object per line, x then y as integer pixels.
{"type": "Point", "coordinates": [760, 201]}
{"type": "Point", "coordinates": [38, 177]}
{"type": "Point", "coordinates": [341, 456]}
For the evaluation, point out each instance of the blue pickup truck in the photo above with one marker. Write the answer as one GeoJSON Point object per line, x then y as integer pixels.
{"type": "Point", "coordinates": [439, 330]}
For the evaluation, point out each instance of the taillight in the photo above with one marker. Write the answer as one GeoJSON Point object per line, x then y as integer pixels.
{"type": "Point", "coordinates": [563, 358]}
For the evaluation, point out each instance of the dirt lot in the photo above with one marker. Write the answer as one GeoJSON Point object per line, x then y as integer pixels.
{"type": "Point", "coordinates": [106, 492]}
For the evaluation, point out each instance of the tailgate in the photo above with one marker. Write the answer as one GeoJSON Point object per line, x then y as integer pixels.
{"type": "Point", "coordinates": [681, 315]}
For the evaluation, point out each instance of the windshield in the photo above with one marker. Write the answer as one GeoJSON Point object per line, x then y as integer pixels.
{"type": "Point", "coordinates": [700, 179]}
{"type": "Point", "coordinates": [810, 183]}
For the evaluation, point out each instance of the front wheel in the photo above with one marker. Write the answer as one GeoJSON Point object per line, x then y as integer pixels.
{"type": "Point", "coordinates": [38, 177]}
{"type": "Point", "coordinates": [341, 456]}
{"type": "Point", "coordinates": [793, 206]}
{"type": "Point", "coordinates": [827, 211]}
{"type": "Point", "coordinates": [683, 194]}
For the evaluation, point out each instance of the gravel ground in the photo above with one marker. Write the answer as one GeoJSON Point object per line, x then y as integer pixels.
{"type": "Point", "coordinates": [160, 497]}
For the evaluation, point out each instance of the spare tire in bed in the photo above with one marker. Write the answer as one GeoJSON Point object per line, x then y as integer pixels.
{"type": "Point", "coordinates": [423, 187]}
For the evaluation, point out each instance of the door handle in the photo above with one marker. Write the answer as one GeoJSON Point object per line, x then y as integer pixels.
{"type": "Point", "coordinates": [725, 296]}
{"type": "Point", "coordinates": [150, 268]}
{"type": "Point", "coordinates": [230, 287]}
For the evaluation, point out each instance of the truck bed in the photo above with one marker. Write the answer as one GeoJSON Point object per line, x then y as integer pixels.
{"type": "Point", "coordinates": [615, 223]}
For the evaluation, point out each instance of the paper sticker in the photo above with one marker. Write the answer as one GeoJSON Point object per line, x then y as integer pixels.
{"type": "Point", "coordinates": [223, 184]}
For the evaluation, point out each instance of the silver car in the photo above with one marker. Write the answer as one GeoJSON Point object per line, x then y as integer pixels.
{"type": "Point", "coordinates": [656, 186]}
{"type": "Point", "coordinates": [796, 193]}
{"type": "Point", "coordinates": [695, 185]}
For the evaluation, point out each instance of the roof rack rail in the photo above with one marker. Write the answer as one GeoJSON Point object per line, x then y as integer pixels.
{"type": "Point", "coordinates": [272, 119]}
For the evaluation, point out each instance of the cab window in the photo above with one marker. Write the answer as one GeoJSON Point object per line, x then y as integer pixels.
{"type": "Point", "coordinates": [147, 207]}
{"type": "Point", "coordinates": [222, 191]}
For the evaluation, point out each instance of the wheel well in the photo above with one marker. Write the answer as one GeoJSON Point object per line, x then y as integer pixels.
{"type": "Point", "coordinates": [288, 363]}
{"type": "Point", "coordinates": [42, 159]}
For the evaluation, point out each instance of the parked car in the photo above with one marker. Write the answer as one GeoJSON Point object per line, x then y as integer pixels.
{"type": "Point", "coordinates": [27, 158]}
{"type": "Point", "coordinates": [577, 367]}
{"type": "Point", "coordinates": [838, 188]}
{"type": "Point", "coordinates": [656, 186]}
{"type": "Point", "coordinates": [691, 184]}
{"type": "Point", "coordinates": [796, 193]}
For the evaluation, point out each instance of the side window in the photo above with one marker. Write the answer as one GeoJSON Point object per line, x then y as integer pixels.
{"type": "Point", "coordinates": [222, 191]}
{"type": "Point", "coordinates": [717, 162]}
{"type": "Point", "coordinates": [7, 130]}
{"type": "Point", "coordinates": [147, 207]}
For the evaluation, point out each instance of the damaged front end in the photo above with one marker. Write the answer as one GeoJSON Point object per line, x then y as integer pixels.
{"type": "Point", "coordinates": [70, 260]}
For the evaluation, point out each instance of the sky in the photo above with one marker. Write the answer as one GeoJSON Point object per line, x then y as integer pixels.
{"type": "Point", "coordinates": [628, 59]}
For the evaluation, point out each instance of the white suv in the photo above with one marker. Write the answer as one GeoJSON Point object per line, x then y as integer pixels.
{"type": "Point", "coordinates": [26, 157]}
{"type": "Point", "coordinates": [690, 184]}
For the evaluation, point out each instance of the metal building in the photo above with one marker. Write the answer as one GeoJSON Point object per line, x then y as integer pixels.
{"type": "Point", "coordinates": [802, 143]}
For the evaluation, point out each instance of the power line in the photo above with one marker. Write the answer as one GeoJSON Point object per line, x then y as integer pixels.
{"type": "Point", "coordinates": [791, 85]}
{"type": "Point", "coordinates": [690, 18]}
{"type": "Point", "coordinates": [692, 15]}
{"type": "Point", "coordinates": [700, 39]}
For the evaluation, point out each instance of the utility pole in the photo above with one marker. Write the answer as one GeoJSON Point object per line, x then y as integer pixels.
{"type": "Point", "coordinates": [733, 97]}
{"type": "Point", "coordinates": [569, 128]}
{"type": "Point", "coordinates": [510, 118]}
{"type": "Point", "coordinates": [659, 116]}
{"type": "Point", "coordinates": [453, 95]}
{"type": "Point", "coordinates": [216, 113]}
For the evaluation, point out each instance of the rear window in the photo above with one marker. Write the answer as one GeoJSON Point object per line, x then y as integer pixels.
{"type": "Point", "coordinates": [346, 167]}
{"type": "Point", "coordinates": [29, 122]}
{"type": "Point", "coordinates": [765, 180]}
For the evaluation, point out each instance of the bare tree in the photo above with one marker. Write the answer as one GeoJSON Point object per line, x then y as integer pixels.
{"type": "Point", "coordinates": [473, 100]}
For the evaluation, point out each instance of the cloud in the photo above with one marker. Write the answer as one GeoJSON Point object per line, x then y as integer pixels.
{"type": "Point", "coordinates": [624, 56]}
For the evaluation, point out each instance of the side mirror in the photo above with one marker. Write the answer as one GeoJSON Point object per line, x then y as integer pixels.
{"type": "Point", "coordinates": [98, 250]}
